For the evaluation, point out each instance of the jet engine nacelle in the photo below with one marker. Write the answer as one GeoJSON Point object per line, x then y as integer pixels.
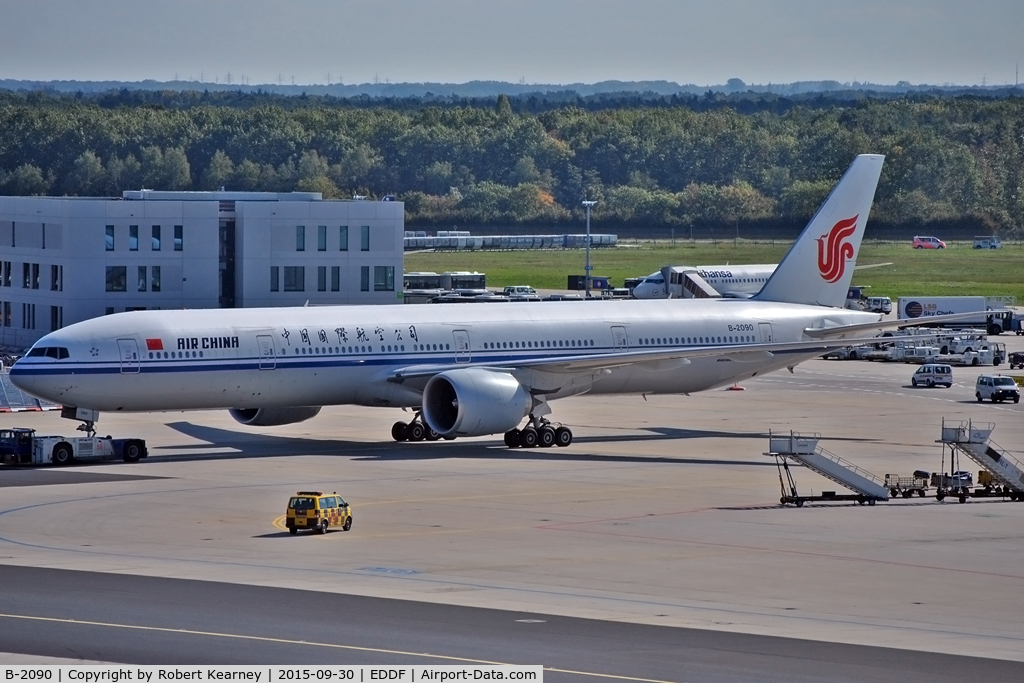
{"type": "Point", "coordinates": [271, 417]}
{"type": "Point", "coordinates": [474, 402]}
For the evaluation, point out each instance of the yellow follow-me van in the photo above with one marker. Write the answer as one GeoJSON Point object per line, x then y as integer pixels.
{"type": "Point", "coordinates": [319, 511]}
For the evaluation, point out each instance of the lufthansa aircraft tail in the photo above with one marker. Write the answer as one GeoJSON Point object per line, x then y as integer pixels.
{"type": "Point", "coordinates": [818, 268]}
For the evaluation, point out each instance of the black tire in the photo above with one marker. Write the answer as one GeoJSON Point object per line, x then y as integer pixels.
{"type": "Point", "coordinates": [920, 493]}
{"type": "Point", "coordinates": [563, 437]}
{"type": "Point", "coordinates": [431, 435]}
{"type": "Point", "coordinates": [348, 524]}
{"type": "Point", "coordinates": [416, 431]}
{"type": "Point", "coordinates": [133, 451]}
{"type": "Point", "coordinates": [512, 438]}
{"type": "Point", "coordinates": [893, 493]}
{"type": "Point", "coordinates": [63, 454]}
{"type": "Point", "coordinates": [399, 431]}
{"type": "Point", "coordinates": [323, 527]}
{"type": "Point", "coordinates": [977, 395]}
{"type": "Point", "coordinates": [931, 384]}
{"type": "Point", "coordinates": [293, 531]}
{"type": "Point", "coordinates": [974, 361]}
{"type": "Point", "coordinates": [913, 382]}
{"type": "Point", "coordinates": [546, 437]}
{"type": "Point", "coordinates": [528, 437]}
{"type": "Point", "coordinates": [907, 494]}
{"type": "Point", "coordinates": [962, 498]}
{"type": "Point", "coordinates": [799, 503]}
{"type": "Point", "coordinates": [940, 496]}
{"type": "Point", "coordinates": [1016, 399]}
{"type": "Point", "coordinates": [871, 501]}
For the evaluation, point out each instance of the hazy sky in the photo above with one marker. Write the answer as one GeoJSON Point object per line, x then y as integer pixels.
{"type": "Point", "coordinates": [540, 41]}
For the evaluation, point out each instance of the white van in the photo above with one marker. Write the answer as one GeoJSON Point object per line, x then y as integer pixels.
{"type": "Point", "coordinates": [933, 374]}
{"type": "Point", "coordinates": [988, 242]}
{"type": "Point", "coordinates": [878, 304]}
{"type": "Point", "coordinates": [996, 388]}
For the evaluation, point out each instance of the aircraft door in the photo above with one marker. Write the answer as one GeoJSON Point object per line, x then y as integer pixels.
{"type": "Point", "coordinates": [463, 354]}
{"type": "Point", "coordinates": [766, 332]}
{"type": "Point", "coordinates": [129, 350]}
{"type": "Point", "coordinates": [619, 338]}
{"type": "Point", "coordinates": [268, 354]}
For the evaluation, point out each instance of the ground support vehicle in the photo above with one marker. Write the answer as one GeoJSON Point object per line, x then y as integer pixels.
{"type": "Point", "coordinates": [805, 450]}
{"type": "Point", "coordinates": [956, 485]}
{"type": "Point", "coordinates": [996, 388]}
{"type": "Point", "coordinates": [992, 312]}
{"type": "Point", "coordinates": [21, 446]}
{"type": "Point", "coordinates": [907, 486]}
{"type": "Point", "coordinates": [1017, 360]}
{"type": "Point", "coordinates": [973, 440]}
{"type": "Point", "coordinates": [933, 374]}
{"type": "Point", "coordinates": [317, 511]}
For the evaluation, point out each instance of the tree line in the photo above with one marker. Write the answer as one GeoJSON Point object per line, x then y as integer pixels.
{"type": "Point", "coordinates": [719, 160]}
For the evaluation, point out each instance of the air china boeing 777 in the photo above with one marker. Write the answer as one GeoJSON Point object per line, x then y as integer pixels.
{"type": "Point", "coordinates": [471, 369]}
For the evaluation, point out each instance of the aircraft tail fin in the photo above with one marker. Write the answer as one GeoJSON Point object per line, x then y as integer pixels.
{"type": "Point", "coordinates": [818, 268]}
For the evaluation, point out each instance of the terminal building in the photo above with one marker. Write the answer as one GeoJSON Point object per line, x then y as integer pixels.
{"type": "Point", "coordinates": [67, 259]}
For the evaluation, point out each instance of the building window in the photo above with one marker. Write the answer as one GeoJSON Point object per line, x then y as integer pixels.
{"type": "Point", "coordinates": [300, 238]}
{"type": "Point", "coordinates": [26, 275]}
{"type": "Point", "coordinates": [274, 275]}
{"type": "Point", "coordinates": [295, 278]}
{"type": "Point", "coordinates": [28, 316]}
{"type": "Point", "coordinates": [110, 238]}
{"type": "Point", "coordinates": [321, 278]}
{"type": "Point", "coordinates": [154, 284]}
{"type": "Point", "coordinates": [364, 238]}
{"type": "Point", "coordinates": [179, 238]}
{"type": "Point", "coordinates": [142, 278]}
{"type": "Point", "coordinates": [364, 278]}
{"type": "Point", "coordinates": [117, 278]}
{"type": "Point", "coordinates": [5, 276]}
{"type": "Point", "coordinates": [133, 238]}
{"type": "Point", "coordinates": [335, 278]}
{"type": "Point", "coordinates": [35, 276]}
{"type": "Point", "coordinates": [343, 238]}
{"type": "Point", "coordinates": [56, 278]}
{"type": "Point", "coordinates": [155, 244]}
{"type": "Point", "coordinates": [321, 238]}
{"type": "Point", "coordinates": [7, 314]}
{"type": "Point", "coordinates": [383, 278]}
{"type": "Point", "coordinates": [56, 318]}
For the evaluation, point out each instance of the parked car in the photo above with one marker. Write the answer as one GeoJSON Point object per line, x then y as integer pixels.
{"type": "Point", "coordinates": [927, 242]}
{"type": "Point", "coordinates": [932, 374]}
{"type": "Point", "coordinates": [996, 388]}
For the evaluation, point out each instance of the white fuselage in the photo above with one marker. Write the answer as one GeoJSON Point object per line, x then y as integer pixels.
{"type": "Point", "coordinates": [254, 358]}
{"type": "Point", "coordinates": [729, 281]}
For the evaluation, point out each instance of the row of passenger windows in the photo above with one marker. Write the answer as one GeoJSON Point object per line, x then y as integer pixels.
{"type": "Point", "coordinates": [400, 348]}
{"type": "Point", "coordinates": [560, 343]}
{"type": "Point", "coordinates": [731, 339]}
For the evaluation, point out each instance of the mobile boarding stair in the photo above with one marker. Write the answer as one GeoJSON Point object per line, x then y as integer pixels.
{"type": "Point", "coordinates": [868, 488]}
{"type": "Point", "coordinates": [973, 440]}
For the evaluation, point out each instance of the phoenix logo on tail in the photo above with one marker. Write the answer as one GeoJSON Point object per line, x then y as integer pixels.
{"type": "Point", "coordinates": [833, 250]}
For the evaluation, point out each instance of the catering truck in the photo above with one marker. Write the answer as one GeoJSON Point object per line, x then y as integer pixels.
{"type": "Point", "coordinates": [992, 314]}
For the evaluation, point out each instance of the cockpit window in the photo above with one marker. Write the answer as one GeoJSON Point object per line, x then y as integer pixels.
{"type": "Point", "coordinates": [58, 352]}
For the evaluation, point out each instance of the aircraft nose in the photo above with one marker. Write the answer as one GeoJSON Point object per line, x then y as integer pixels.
{"type": "Point", "coordinates": [27, 377]}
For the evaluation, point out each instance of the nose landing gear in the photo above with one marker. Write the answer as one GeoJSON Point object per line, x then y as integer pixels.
{"type": "Point", "coordinates": [538, 432]}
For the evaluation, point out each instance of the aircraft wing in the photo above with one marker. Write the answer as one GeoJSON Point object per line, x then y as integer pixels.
{"type": "Point", "coordinates": [655, 358]}
{"type": "Point", "coordinates": [837, 331]}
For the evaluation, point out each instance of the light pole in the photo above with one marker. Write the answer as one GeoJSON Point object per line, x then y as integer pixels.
{"type": "Point", "coordinates": [588, 203]}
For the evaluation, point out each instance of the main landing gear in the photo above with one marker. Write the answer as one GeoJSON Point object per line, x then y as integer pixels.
{"type": "Point", "coordinates": [538, 432]}
{"type": "Point", "coordinates": [415, 430]}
